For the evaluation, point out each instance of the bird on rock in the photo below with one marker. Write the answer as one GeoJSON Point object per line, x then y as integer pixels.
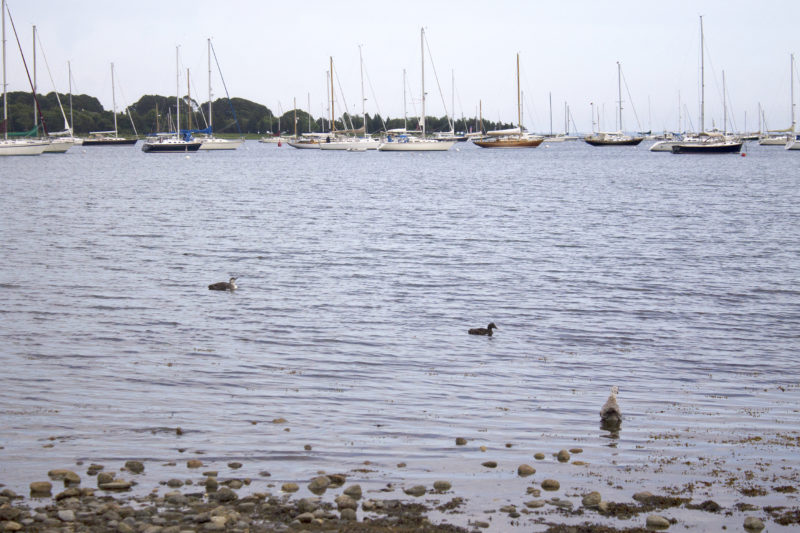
{"type": "Point", "coordinates": [483, 331]}
{"type": "Point", "coordinates": [223, 285]}
{"type": "Point", "coordinates": [610, 415]}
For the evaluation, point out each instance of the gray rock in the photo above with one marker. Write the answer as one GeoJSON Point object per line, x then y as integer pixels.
{"type": "Point", "coordinates": [416, 490]}
{"type": "Point", "coordinates": [525, 470]}
{"type": "Point", "coordinates": [752, 523]}
{"type": "Point", "coordinates": [319, 484]}
{"type": "Point", "coordinates": [175, 483]}
{"type": "Point", "coordinates": [343, 501]}
{"type": "Point", "coordinates": [561, 504]}
{"type": "Point", "coordinates": [562, 456]}
{"type": "Point", "coordinates": [550, 484]}
{"type": "Point", "coordinates": [592, 499]}
{"type": "Point", "coordinates": [137, 467]}
{"type": "Point", "coordinates": [116, 485]}
{"type": "Point", "coordinates": [225, 495]}
{"type": "Point", "coordinates": [234, 465]}
{"type": "Point", "coordinates": [657, 522]}
{"type": "Point", "coordinates": [305, 518]}
{"type": "Point", "coordinates": [354, 491]}
{"type": "Point", "coordinates": [41, 488]}
{"type": "Point", "coordinates": [290, 487]}
{"type": "Point", "coordinates": [349, 515]}
{"type": "Point", "coordinates": [643, 496]}
{"type": "Point", "coordinates": [104, 477]}
{"type": "Point", "coordinates": [66, 515]}
{"type": "Point", "coordinates": [534, 504]}
{"type": "Point", "coordinates": [308, 505]}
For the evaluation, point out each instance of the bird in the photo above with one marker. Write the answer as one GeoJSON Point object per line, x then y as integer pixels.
{"type": "Point", "coordinates": [483, 331]}
{"type": "Point", "coordinates": [610, 415]}
{"type": "Point", "coordinates": [223, 285]}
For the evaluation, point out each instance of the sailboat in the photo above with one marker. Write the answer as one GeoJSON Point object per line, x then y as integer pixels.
{"type": "Point", "coordinates": [707, 142]}
{"type": "Point", "coordinates": [615, 138]}
{"type": "Point", "coordinates": [211, 142]}
{"type": "Point", "coordinates": [353, 144]}
{"type": "Point", "coordinates": [794, 142]}
{"type": "Point", "coordinates": [408, 143]}
{"type": "Point", "coordinates": [513, 138]}
{"type": "Point", "coordinates": [173, 142]}
{"type": "Point", "coordinates": [59, 142]}
{"type": "Point", "coordinates": [14, 146]}
{"type": "Point", "coordinates": [102, 138]}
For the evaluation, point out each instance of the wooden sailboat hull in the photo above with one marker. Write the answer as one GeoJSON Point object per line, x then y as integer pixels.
{"type": "Point", "coordinates": [510, 143]}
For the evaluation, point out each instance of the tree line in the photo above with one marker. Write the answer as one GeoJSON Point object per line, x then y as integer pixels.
{"type": "Point", "coordinates": [153, 113]}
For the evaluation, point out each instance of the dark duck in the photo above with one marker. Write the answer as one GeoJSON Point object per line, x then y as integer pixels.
{"type": "Point", "coordinates": [483, 331]}
{"type": "Point", "coordinates": [223, 285]}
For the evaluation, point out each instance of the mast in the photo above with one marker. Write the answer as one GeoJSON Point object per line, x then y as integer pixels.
{"type": "Point", "coordinates": [177, 94]}
{"type": "Point", "coordinates": [363, 100]}
{"type": "Point", "coordinates": [619, 88]}
{"type": "Point", "coordinates": [35, 111]}
{"type": "Point", "coordinates": [422, 49]}
{"type": "Point", "coordinates": [114, 101]}
{"type": "Point", "coordinates": [702, 80]}
{"type": "Point", "coordinates": [550, 95]}
{"type": "Point", "coordinates": [480, 113]}
{"type": "Point", "coordinates": [295, 117]}
{"type": "Point", "coordinates": [405, 114]}
{"type": "Point", "coordinates": [724, 107]}
{"type": "Point", "coordinates": [333, 120]}
{"type": "Point", "coordinates": [453, 101]}
{"type": "Point", "coordinates": [791, 87]}
{"type": "Point", "coordinates": [5, 103]}
{"type": "Point", "coordinates": [519, 101]}
{"type": "Point", "coordinates": [189, 97]}
{"type": "Point", "coordinates": [309, 112]}
{"type": "Point", "coordinates": [210, 114]}
{"type": "Point", "coordinates": [71, 120]}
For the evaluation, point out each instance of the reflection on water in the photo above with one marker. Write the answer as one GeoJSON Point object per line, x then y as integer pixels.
{"type": "Point", "coordinates": [675, 278]}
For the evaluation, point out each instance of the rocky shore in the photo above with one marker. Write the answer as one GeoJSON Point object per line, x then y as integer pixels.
{"type": "Point", "coordinates": [125, 499]}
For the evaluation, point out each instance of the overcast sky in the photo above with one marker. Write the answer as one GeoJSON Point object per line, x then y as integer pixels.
{"type": "Point", "coordinates": [271, 52]}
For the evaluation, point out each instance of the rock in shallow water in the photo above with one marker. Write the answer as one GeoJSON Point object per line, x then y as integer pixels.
{"type": "Point", "coordinates": [752, 523]}
{"type": "Point", "coordinates": [550, 484]}
{"type": "Point", "coordinates": [41, 488]}
{"type": "Point", "coordinates": [592, 499]}
{"type": "Point", "coordinates": [416, 490]}
{"type": "Point", "coordinates": [525, 470]}
{"type": "Point", "coordinates": [657, 522]}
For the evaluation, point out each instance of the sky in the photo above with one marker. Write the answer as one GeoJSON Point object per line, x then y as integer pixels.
{"type": "Point", "coordinates": [274, 52]}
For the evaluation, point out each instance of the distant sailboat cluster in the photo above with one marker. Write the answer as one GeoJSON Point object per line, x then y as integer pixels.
{"type": "Point", "coordinates": [180, 138]}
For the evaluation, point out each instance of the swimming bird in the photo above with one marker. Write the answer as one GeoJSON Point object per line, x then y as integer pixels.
{"type": "Point", "coordinates": [223, 285]}
{"type": "Point", "coordinates": [610, 415]}
{"type": "Point", "coordinates": [483, 331]}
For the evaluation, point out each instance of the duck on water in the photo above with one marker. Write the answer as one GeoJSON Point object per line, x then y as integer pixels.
{"type": "Point", "coordinates": [483, 331]}
{"type": "Point", "coordinates": [223, 285]}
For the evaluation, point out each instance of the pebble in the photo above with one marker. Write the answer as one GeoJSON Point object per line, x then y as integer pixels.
{"type": "Point", "coordinates": [489, 464]}
{"type": "Point", "coordinates": [11, 526]}
{"type": "Point", "coordinates": [137, 467]}
{"type": "Point", "coordinates": [563, 456]}
{"type": "Point", "coordinates": [354, 491]}
{"type": "Point", "coordinates": [175, 483]}
{"type": "Point", "coordinates": [656, 521]}
{"type": "Point", "coordinates": [211, 484]}
{"type": "Point", "coordinates": [592, 499]}
{"type": "Point", "coordinates": [104, 477]}
{"type": "Point", "coordinates": [461, 441]}
{"type": "Point", "coordinates": [279, 420]}
{"type": "Point", "coordinates": [416, 490]}
{"type": "Point", "coordinates": [305, 518]}
{"type": "Point", "coordinates": [538, 456]}
{"type": "Point", "coordinates": [576, 450]}
{"type": "Point", "coordinates": [550, 484]}
{"type": "Point", "coordinates": [234, 465]}
{"type": "Point", "coordinates": [319, 484]}
{"type": "Point", "coordinates": [194, 463]}
{"type": "Point", "coordinates": [349, 514]}
{"type": "Point", "coordinates": [561, 504]}
{"type": "Point", "coordinates": [42, 488]}
{"type": "Point", "coordinates": [66, 515]}
{"type": "Point", "coordinates": [642, 496]}
{"type": "Point", "coordinates": [483, 448]}
{"type": "Point", "coordinates": [752, 523]}
{"type": "Point", "coordinates": [116, 485]}
{"type": "Point", "coordinates": [343, 501]}
{"type": "Point", "coordinates": [290, 487]}
{"type": "Point", "coordinates": [526, 470]}
{"type": "Point", "coordinates": [534, 504]}
{"type": "Point", "coordinates": [308, 505]}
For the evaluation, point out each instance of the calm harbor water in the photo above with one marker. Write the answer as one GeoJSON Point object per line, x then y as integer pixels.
{"type": "Point", "coordinates": [676, 278]}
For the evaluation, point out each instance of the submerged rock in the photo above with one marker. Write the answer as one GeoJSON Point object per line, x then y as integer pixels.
{"type": "Point", "coordinates": [752, 523]}
{"type": "Point", "coordinates": [551, 484]}
{"type": "Point", "coordinates": [525, 470]}
{"type": "Point", "coordinates": [657, 522]}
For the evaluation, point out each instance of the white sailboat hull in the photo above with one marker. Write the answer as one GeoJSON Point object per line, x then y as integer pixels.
{"type": "Point", "coordinates": [773, 141]}
{"type": "Point", "coordinates": [664, 146]}
{"type": "Point", "coordinates": [59, 146]}
{"type": "Point", "coordinates": [794, 144]}
{"type": "Point", "coordinates": [417, 145]}
{"type": "Point", "coordinates": [21, 147]}
{"type": "Point", "coordinates": [213, 143]}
